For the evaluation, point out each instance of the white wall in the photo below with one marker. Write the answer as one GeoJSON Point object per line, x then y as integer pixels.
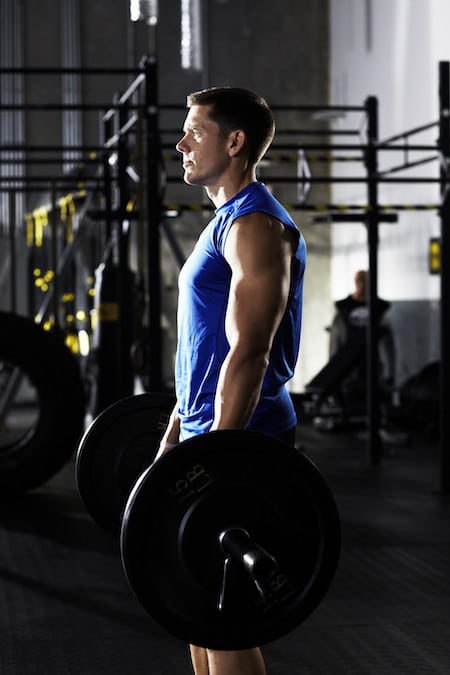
{"type": "Point", "coordinates": [391, 49]}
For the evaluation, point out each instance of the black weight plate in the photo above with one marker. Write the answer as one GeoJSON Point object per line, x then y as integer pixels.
{"type": "Point", "coordinates": [223, 479]}
{"type": "Point", "coordinates": [115, 449]}
{"type": "Point", "coordinates": [38, 445]}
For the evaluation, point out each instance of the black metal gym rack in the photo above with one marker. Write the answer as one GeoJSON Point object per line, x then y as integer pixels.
{"type": "Point", "coordinates": [136, 113]}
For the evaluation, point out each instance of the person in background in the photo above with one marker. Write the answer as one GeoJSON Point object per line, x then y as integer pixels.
{"type": "Point", "coordinates": [350, 322]}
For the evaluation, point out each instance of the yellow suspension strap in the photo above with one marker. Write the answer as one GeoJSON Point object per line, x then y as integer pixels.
{"type": "Point", "coordinates": [70, 334]}
{"type": "Point", "coordinates": [40, 218]}
{"type": "Point", "coordinates": [43, 279]}
{"type": "Point", "coordinates": [68, 210]}
{"type": "Point", "coordinates": [29, 229]}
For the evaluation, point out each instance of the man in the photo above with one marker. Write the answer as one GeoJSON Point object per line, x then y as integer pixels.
{"type": "Point", "coordinates": [350, 324]}
{"type": "Point", "coordinates": [240, 297]}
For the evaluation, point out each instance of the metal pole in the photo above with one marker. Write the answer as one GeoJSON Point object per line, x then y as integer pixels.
{"type": "Point", "coordinates": [13, 250]}
{"type": "Point", "coordinates": [124, 291]}
{"type": "Point", "coordinates": [153, 159]}
{"type": "Point", "coordinates": [444, 147]}
{"type": "Point", "coordinates": [373, 407]}
{"type": "Point", "coordinates": [54, 257]}
{"type": "Point", "coordinates": [107, 191]}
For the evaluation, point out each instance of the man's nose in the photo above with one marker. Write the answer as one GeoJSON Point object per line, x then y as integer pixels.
{"type": "Point", "coordinates": [181, 144]}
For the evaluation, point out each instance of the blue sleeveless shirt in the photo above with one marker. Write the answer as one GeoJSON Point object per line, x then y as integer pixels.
{"type": "Point", "coordinates": [204, 284]}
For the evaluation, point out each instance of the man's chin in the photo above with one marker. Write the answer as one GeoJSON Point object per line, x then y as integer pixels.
{"type": "Point", "coordinates": [189, 179]}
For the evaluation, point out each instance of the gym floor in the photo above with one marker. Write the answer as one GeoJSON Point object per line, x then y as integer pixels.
{"type": "Point", "coordinates": [66, 608]}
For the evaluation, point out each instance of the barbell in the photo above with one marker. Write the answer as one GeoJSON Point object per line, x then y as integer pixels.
{"type": "Point", "coordinates": [230, 540]}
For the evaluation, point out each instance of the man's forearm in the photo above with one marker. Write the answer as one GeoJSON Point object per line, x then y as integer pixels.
{"type": "Point", "coordinates": [238, 390]}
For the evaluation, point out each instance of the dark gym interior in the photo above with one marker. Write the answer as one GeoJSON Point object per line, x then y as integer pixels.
{"type": "Point", "coordinates": [95, 224]}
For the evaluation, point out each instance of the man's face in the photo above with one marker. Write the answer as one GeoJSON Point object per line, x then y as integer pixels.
{"type": "Point", "coordinates": [204, 149]}
{"type": "Point", "coordinates": [361, 284]}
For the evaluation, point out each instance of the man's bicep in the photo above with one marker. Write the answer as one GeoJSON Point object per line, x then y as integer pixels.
{"type": "Point", "coordinates": [255, 308]}
{"type": "Point", "coordinates": [259, 283]}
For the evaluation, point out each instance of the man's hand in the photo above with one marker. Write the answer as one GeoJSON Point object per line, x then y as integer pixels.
{"type": "Point", "coordinates": [171, 436]}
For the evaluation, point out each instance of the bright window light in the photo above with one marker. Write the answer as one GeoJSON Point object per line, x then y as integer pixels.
{"type": "Point", "coordinates": [191, 46]}
{"type": "Point", "coordinates": [144, 10]}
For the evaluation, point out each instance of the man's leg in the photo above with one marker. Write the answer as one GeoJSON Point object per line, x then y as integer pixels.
{"type": "Point", "coordinates": [199, 658]}
{"type": "Point", "coordinates": [244, 662]}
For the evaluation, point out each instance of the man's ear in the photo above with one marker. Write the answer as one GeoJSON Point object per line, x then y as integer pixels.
{"type": "Point", "coordinates": [237, 141]}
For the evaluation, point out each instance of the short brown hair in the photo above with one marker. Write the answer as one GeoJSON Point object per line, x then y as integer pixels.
{"type": "Point", "coordinates": [234, 108]}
